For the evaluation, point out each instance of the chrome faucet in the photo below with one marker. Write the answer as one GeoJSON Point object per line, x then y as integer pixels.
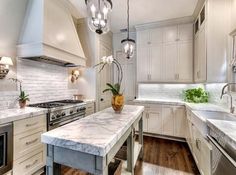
{"type": "Point", "coordinates": [232, 108]}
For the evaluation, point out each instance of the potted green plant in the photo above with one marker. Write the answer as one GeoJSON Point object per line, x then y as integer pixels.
{"type": "Point", "coordinates": [23, 97]}
{"type": "Point", "coordinates": [117, 100]}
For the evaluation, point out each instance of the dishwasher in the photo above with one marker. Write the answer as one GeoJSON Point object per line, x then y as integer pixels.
{"type": "Point", "coordinates": [6, 147]}
{"type": "Point", "coordinates": [223, 161]}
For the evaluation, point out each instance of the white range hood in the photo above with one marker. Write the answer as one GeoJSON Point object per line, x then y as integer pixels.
{"type": "Point", "coordinates": [49, 34]}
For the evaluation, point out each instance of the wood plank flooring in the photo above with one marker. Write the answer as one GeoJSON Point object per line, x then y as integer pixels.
{"type": "Point", "coordinates": [161, 157]}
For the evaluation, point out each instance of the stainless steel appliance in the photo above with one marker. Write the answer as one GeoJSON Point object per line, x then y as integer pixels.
{"type": "Point", "coordinates": [223, 156]}
{"type": "Point", "coordinates": [62, 112]}
{"type": "Point", "coordinates": [6, 148]}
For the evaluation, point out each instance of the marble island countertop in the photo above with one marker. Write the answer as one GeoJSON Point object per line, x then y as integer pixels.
{"type": "Point", "coordinates": [95, 134]}
{"type": "Point", "coordinates": [10, 115]}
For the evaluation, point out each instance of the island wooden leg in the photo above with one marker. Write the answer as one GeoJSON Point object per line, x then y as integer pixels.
{"type": "Point", "coordinates": [130, 153]}
{"type": "Point", "coordinates": [140, 137]}
{"type": "Point", "coordinates": [51, 167]}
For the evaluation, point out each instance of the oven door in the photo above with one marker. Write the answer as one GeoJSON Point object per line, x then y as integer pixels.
{"type": "Point", "coordinates": [222, 162]}
{"type": "Point", "coordinates": [6, 148]}
{"type": "Point", "coordinates": [66, 120]}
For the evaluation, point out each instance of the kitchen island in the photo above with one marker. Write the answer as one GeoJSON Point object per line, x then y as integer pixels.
{"type": "Point", "coordinates": [91, 143]}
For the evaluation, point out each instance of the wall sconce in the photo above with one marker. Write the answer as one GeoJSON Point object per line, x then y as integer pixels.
{"type": "Point", "coordinates": [74, 75]}
{"type": "Point", "coordinates": [5, 62]}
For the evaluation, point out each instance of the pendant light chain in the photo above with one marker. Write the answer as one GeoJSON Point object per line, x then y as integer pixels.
{"type": "Point", "coordinates": [128, 18]}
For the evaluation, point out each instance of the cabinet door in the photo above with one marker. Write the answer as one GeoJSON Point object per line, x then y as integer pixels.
{"type": "Point", "coordinates": [156, 36]}
{"type": "Point", "coordinates": [143, 37]}
{"type": "Point", "coordinates": [143, 63]}
{"type": "Point", "coordinates": [104, 77]}
{"type": "Point", "coordinates": [145, 121]}
{"type": "Point", "coordinates": [179, 122]}
{"type": "Point", "coordinates": [196, 145]}
{"type": "Point", "coordinates": [206, 151]}
{"type": "Point", "coordinates": [156, 56]}
{"type": "Point", "coordinates": [196, 58]}
{"type": "Point", "coordinates": [170, 61]}
{"type": "Point", "coordinates": [189, 135]}
{"type": "Point", "coordinates": [202, 55]}
{"type": "Point", "coordinates": [154, 122]}
{"type": "Point", "coordinates": [167, 120]}
{"type": "Point", "coordinates": [185, 61]}
{"type": "Point", "coordinates": [185, 32]}
{"type": "Point", "coordinates": [170, 34]}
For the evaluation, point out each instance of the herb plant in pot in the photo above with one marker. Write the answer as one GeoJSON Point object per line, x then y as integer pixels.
{"type": "Point", "coordinates": [117, 101]}
{"type": "Point", "coordinates": [23, 97]}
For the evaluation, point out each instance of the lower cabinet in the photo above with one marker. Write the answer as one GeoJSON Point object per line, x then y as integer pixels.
{"type": "Point", "coordinates": [200, 148]}
{"type": "Point", "coordinates": [90, 108]}
{"type": "Point", "coordinates": [164, 120]}
{"type": "Point", "coordinates": [29, 154]}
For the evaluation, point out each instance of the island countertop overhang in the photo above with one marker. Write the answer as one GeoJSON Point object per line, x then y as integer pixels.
{"type": "Point", "coordinates": [95, 134]}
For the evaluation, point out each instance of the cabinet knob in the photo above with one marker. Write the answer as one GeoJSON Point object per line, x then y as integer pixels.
{"type": "Point", "coordinates": [101, 99]}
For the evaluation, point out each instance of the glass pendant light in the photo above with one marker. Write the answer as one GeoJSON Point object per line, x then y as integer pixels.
{"type": "Point", "coordinates": [98, 11]}
{"type": "Point", "coordinates": [128, 45]}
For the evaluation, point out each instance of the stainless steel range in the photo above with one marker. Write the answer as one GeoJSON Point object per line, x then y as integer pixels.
{"type": "Point", "coordinates": [62, 112]}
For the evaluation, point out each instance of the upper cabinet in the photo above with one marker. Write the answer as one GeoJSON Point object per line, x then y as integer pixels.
{"type": "Point", "coordinates": [165, 54]}
{"type": "Point", "coordinates": [211, 30]}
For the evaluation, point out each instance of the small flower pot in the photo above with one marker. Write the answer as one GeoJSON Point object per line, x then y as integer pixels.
{"type": "Point", "coordinates": [22, 104]}
{"type": "Point", "coordinates": [117, 103]}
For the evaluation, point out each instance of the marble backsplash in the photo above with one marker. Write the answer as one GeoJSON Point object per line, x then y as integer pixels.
{"type": "Point", "coordinates": [175, 91]}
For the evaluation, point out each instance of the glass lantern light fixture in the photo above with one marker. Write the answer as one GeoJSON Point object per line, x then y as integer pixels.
{"type": "Point", "coordinates": [98, 11]}
{"type": "Point", "coordinates": [128, 45]}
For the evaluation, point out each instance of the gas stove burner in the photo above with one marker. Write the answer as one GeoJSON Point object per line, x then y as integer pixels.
{"type": "Point", "coordinates": [47, 105]}
{"type": "Point", "coordinates": [70, 101]}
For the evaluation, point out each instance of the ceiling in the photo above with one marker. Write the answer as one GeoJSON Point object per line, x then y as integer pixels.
{"type": "Point", "coordinates": [143, 11]}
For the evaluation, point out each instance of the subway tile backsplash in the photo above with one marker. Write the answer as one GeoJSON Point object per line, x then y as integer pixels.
{"type": "Point", "coordinates": [175, 91]}
{"type": "Point", "coordinates": [43, 82]}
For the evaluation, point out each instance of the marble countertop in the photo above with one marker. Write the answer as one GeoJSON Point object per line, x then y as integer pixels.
{"type": "Point", "coordinates": [10, 115]}
{"type": "Point", "coordinates": [95, 134]}
{"type": "Point", "coordinates": [192, 106]}
{"type": "Point", "coordinates": [224, 131]}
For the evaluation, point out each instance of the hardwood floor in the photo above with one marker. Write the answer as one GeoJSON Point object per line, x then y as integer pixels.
{"type": "Point", "coordinates": [161, 157]}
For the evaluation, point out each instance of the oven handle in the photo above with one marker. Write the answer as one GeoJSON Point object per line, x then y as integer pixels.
{"type": "Point", "coordinates": [232, 161]}
{"type": "Point", "coordinates": [63, 122]}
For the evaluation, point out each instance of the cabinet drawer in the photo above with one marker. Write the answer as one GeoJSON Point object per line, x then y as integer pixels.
{"type": "Point", "coordinates": [30, 163]}
{"type": "Point", "coordinates": [29, 124]}
{"type": "Point", "coordinates": [27, 142]}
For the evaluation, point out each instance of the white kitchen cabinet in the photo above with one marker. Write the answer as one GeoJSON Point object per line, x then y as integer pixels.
{"type": "Point", "coordinates": [185, 61]}
{"type": "Point", "coordinates": [206, 151]}
{"type": "Point", "coordinates": [154, 122]}
{"type": "Point", "coordinates": [170, 34]}
{"type": "Point", "coordinates": [168, 120]}
{"type": "Point", "coordinates": [156, 53]}
{"type": "Point", "coordinates": [170, 62]}
{"type": "Point", "coordinates": [212, 28]}
{"type": "Point", "coordinates": [29, 154]}
{"type": "Point", "coordinates": [143, 63]}
{"type": "Point", "coordinates": [165, 54]}
{"type": "Point", "coordinates": [145, 121]}
{"type": "Point", "coordinates": [180, 122]}
{"type": "Point", "coordinates": [200, 60]}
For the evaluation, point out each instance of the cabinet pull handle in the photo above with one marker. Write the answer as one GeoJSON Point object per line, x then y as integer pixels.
{"type": "Point", "coordinates": [198, 144]}
{"type": "Point", "coordinates": [31, 124]}
{"type": "Point", "coordinates": [31, 142]}
{"type": "Point", "coordinates": [30, 165]}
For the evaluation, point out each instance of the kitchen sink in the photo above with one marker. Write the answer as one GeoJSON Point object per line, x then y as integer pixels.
{"type": "Point", "coordinates": [204, 115]}
{"type": "Point", "coordinates": [199, 119]}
